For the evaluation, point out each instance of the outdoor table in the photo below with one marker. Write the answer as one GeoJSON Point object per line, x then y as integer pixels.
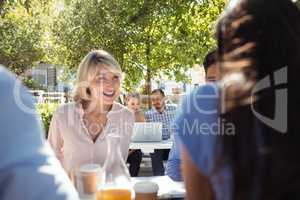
{"type": "Point", "coordinates": [149, 147]}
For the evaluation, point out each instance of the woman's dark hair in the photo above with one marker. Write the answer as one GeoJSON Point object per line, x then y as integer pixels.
{"type": "Point", "coordinates": [209, 60]}
{"type": "Point", "coordinates": [257, 39]}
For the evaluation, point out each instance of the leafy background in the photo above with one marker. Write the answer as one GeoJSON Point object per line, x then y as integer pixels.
{"type": "Point", "coordinates": [150, 38]}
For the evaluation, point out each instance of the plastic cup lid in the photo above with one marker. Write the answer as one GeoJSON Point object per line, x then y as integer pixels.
{"type": "Point", "coordinates": [90, 168]}
{"type": "Point", "coordinates": [146, 187]}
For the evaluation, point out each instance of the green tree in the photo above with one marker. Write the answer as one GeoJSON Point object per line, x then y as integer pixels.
{"type": "Point", "coordinates": [175, 35]}
{"type": "Point", "coordinates": [298, 3]}
{"type": "Point", "coordinates": [21, 31]}
{"type": "Point", "coordinates": [148, 37]}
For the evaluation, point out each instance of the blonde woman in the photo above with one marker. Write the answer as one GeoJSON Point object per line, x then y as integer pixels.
{"type": "Point", "coordinates": [79, 130]}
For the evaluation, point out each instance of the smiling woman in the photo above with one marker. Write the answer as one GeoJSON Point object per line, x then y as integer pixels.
{"type": "Point", "coordinates": [78, 131]}
{"type": "Point", "coordinates": [98, 71]}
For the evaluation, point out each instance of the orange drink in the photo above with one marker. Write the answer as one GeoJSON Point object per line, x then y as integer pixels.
{"type": "Point", "coordinates": [114, 194]}
{"type": "Point", "coordinates": [116, 184]}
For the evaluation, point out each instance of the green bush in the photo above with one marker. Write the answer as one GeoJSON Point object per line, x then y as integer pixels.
{"type": "Point", "coordinates": [45, 111]}
{"type": "Point", "coordinates": [30, 83]}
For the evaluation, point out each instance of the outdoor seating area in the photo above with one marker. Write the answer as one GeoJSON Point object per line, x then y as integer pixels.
{"type": "Point", "coordinates": [42, 97]}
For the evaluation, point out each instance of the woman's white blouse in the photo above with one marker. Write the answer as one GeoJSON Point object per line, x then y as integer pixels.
{"type": "Point", "coordinates": [73, 145]}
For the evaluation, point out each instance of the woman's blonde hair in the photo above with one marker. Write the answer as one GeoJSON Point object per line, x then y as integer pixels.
{"type": "Point", "coordinates": [88, 70]}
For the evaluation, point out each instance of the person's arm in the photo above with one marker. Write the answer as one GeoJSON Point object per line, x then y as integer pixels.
{"type": "Point", "coordinates": [38, 176]}
{"type": "Point", "coordinates": [173, 169]}
{"type": "Point", "coordinates": [140, 117]}
{"type": "Point", "coordinates": [55, 139]}
{"type": "Point", "coordinates": [198, 145]}
{"type": "Point", "coordinates": [197, 185]}
{"type": "Point", "coordinates": [127, 129]}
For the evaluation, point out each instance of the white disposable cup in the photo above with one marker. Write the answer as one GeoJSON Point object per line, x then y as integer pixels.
{"type": "Point", "coordinates": [146, 190]}
{"type": "Point", "coordinates": [87, 179]}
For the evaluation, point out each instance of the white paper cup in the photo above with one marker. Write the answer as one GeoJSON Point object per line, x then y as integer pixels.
{"type": "Point", "coordinates": [87, 178]}
{"type": "Point", "coordinates": [146, 190]}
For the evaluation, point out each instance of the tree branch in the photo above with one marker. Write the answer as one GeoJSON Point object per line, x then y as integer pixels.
{"type": "Point", "coordinates": [2, 2]}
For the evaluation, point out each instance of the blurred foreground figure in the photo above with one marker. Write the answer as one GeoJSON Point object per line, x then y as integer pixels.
{"type": "Point", "coordinates": [28, 168]}
{"type": "Point", "coordinates": [245, 145]}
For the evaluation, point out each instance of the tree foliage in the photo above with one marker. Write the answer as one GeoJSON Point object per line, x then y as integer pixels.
{"type": "Point", "coordinates": [298, 3]}
{"type": "Point", "coordinates": [148, 37]}
{"type": "Point", "coordinates": [22, 31]}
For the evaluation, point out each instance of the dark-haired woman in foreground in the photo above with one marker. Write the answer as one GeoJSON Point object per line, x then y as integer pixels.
{"type": "Point", "coordinates": [252, 153]}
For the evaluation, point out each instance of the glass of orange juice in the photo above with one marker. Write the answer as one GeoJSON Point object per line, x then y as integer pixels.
{"type": "Point", "coordinates": [114, 194]}
{"type": "Point", "coordinates": [116, 182]}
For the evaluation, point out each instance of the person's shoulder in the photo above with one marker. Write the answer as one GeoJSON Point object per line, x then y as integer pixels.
{"type": "Point", "coordinates": [171, 106]}
{"type": "Point", "coordinates": [5, 75]}
{"type": "Point", "coordinates": [13, 93]}
{"type": "Point", "coordinates": [9, 82]}
{"type": "Point", "coordinates": [120, 107]}
{"type": "Point", "coordinates": [65, 108]}
{"type": "Point", "coordinates": [206, 89]}
{"type": "Point", "coordinates": [149, 112]}
{"type": "Point", "coordinates": [206, 94]}
{"type": "Point", "coordinates": [123, 109]}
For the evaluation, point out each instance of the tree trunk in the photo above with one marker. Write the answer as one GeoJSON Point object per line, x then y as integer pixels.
{"type": "Point", "coordinates": [148, 76]}
{"type": "Point", "coordinates": [148, 81]}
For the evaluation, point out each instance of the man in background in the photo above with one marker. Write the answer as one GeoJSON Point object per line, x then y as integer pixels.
{"type": "Point", "coordinates": [161, 112]}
